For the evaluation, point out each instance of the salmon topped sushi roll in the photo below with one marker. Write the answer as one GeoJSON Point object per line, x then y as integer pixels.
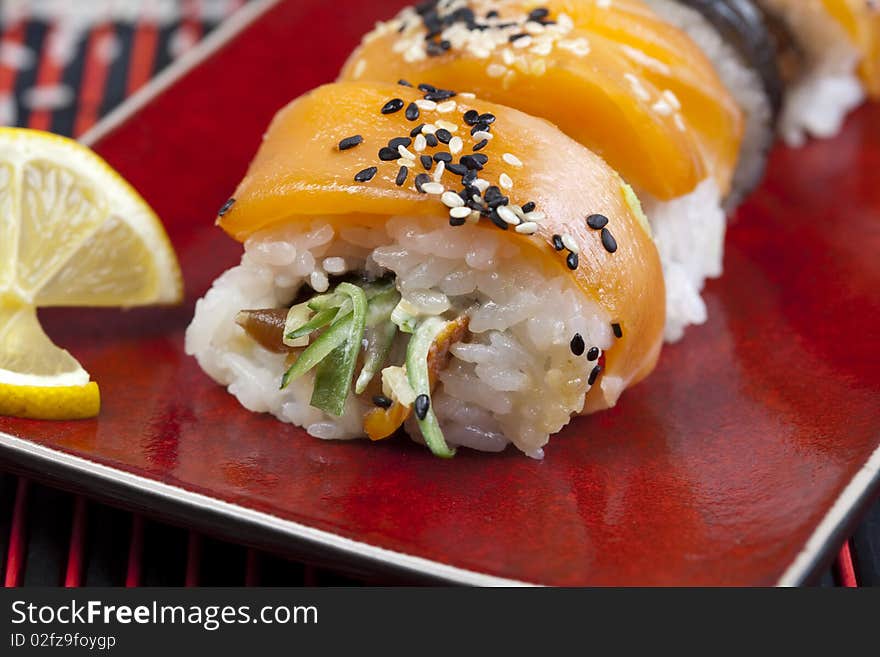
{"type": "Point", "coordinates": [466, 272]}
{"type": "Point", "coordinates": [619, 78]}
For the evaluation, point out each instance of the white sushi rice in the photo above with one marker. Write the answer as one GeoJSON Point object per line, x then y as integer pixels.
{"type": "Point", "coordinates": [516, 380]}
{"type": "Point", "coordinates": [689, 234]}
{"type": "Point", "coordinates": [741, 81]}
{"type": "Point", "coordinates": [829, 88]}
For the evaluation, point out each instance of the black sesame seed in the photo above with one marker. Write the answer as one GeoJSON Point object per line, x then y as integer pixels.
{"type": "Point", "coordinates": [444, 135]}
{"type": "Point", "coordinates": [608, 241]}
{"type": "Point", "coordinates": [513, 38]}
{"type": "Point", "coordinates": [421, 406]}
{"type": "Point", "coordinates": [498, 221]}
{"type": "Point", "coordinates": [493, 194]}
{"type": "Point", "coordinates": [597, 221]}
{"type": "Point", "coordinates": [366, 175]}
{"type": "Point", "coordinates": [618, 332]}
{"type": "Point", "coordinates": [487, 118]}
{"type": "Point", "coordinates": [439, 95]}
{"type": "Point", "coordinates": [593, 353]}
{"type": "Point", "coordinates": [481, 158]}
{"type": "Point", "coordinates": [388, 154]}
{"type": "Point", "coordinates": [427, 88]}
{"type": "Point", "coordinates": [415, 132]}
{"type": "Point", "coordinates": [481, 145]}
{"type": "Point", "coordinates": [382, 401]}
{"type": "Point", "coordinates": [421, 179]}
{"type": "Point", "coordinates": [412, 112]}
{"type": "Point", "coordinates": [572, 261]}
{"type": "Point", "coordinates": [557, 242]}
{"type": "Point", "coordinates": [431, 140]}
{"type": "Point", "coordinates": [468, 177]}
{"type": "Point", "coordinates": [226, 207]}
{"type": "Point", "coordinates": [443, 156]}
{"type": "Point", "coordinates": [471, 117]}
{"type": "Point", "coordinates": [401, 176]}
{"type": "Point", "coordinates": [392, 106]}
{"type": "Point", "coordinates": [350, 142]}
{"type": "Point", "coordinates": [528, 207]}
{"type": "Point", "coordinates": [457, 221]}
{"type": "Point", "coordinates": [471, 162]}
{"type": "Point", "coordinates": [539, 14]}
{"type": "Point", "coordinates": [577, 345]}
{"type": "Point", "coordinates": [457, 169]}
{"type": "Point", "coordinates": [594, 374]}
{"type": "Point", "coordinates": [480, 127]}
{"type": "Point", "coordinates": [433, 48]}
{"type": "Point", "coordinates": [426, 161]}
{"type": "Point", "coordinates": [492, 14]}
{"type": "Point", "coordinates": [404, 83]}
{"type": "Point", "coordinates": [399, 141]}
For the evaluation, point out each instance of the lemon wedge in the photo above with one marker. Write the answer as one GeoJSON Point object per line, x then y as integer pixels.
{"type": "Point", "coordinates": [72, 233]}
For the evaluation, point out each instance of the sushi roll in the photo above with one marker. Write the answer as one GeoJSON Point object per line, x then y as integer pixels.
{"type": "Point", "coordinates": [829, 54]}
{"type": "Point", "coordinates": [623, 81]}
{"type": "Point", "coordinates": [477, 287]}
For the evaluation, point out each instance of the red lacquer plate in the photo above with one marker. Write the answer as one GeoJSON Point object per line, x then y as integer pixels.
{"type": "Point", "coordinates": [744, 460]}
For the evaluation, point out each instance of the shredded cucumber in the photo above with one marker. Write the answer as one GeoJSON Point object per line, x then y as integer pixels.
{"type": "Point", "coordinates": [417, 373]}
{"type": "Point", "coordinates": [320, 320]}
{"type": "Point", "coordinates": [378, 346]}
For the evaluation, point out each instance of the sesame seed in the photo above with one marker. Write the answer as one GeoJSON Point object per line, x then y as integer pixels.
{"type": "Point", "coordinates": [334, 265]}
{"type": "Point", "coordinates": [495, 70]}
{"type": "Point", "coordinates": [507, 215]}
{"type": "Point", "coordinates": [419, 144]}
{"type": "Point", "coordinates": [577, 345]}
{"type": "Point", "coordinates": [497, 220]}
{"type": "Point", "coordinates": [535, 215]}
{"type": "Point", "coordinates": [480, 145]}
{"type": "Point", "coordinates": [513, 38]}
{"type": "Point", "coordinates": [404, 152]}
{"type": "Point", "coordinates": [319, 281]}
{"type": "Point", "coordinates": [478, 130]}
{"type": "Point", "coordinates": [471, 162]}
{"type": "Point", "coordinates": [382, 401]}
{"type": "Point", "coordinates": [460, 212]}
{"type": "Point", "coordinates": [444, 135]}
{"type": "Point", "coordinates": [417, 130]}
{"type": "Point", "coordinates": [456, 145]}
{"type": "Point", "coordinates": [421, 180]}
{"type": "Point", "coordinates": [467, 94]}
{"type": "Point", "coordinates": [412, 112]}
{"type": "Point", "coordinates": [429, 129]}
{"type": "Point", "coordinates": [528, 207]}
{"type": "Point", "coordinates": [401, 176]}
{"type": "Point", "coordinates": [457, 169]}
{"type": "Point", "coordinates": [447, 107]}
{"type": "Point", "coordinates": [426, 105]}
{"type": "Point", "coordinates": [421, 406]}
{"type": "Point", "coordinates": [350, 142]}
{"type": "Point", "coordinates": [471, 117]}
{"type": "Point", "coordinates": [618, 332]}
{"type": "Point", "coordinates": [524, 42]}
{"type": "Point", "coordinates": [438, 172]}
{"type": "Point", "coordinates": [451, 199]}
{"type": "Point", "coordinates": [482, 135]}
{"type": "Point", "coordinates": [505, 181]}
{"type": "Point", "coordinates": [442, 156]}
{"type": "Point", "coordinates": [594, 374]}
{"type": "Point", "coordinates": [539, 14]}
{"type": "Point", "coordinates": [487, 118]}
{"type": "Point", "coordinates": [433, 188]}
{"type": "Point", "coordinates": [446, 125]}
{"type": "Point", "coordinates": [572, 261]}
{"type": "Point", "coordinates": [597, 221]}
{"type": "Point", "coordinates": [226, 207]}
{"type": "Point", "coordinates": [405, 162]}
{"type": "Point", "coordinates": [427, 88]}
{"type": "Point", "coordinates": [527, 228]}
{"type": "Point", "coordinates": [458, 221]}
{"type": "Point", "coordinates": [593, 353]}
{"type": "Point", "coordinates": [432, 140]}
{"type": "Point", "coordinates": [569, 243]}
{"type": "Point", "coordinates": [512, 160]}
{"type": "Point", "coordinates": [366, 175]}
{"type": "Point", "coordinates": [392, 106]}
{"type": "Point", "coordinates": [404, 83]}
{"type": "Point", "coordinates": [427, 162]}
{"type": "Point", "coordinates": [399, 141]}
{"type": "Point", "coordinates": [608, 241]}
{"type": "Point", "coordinates": [388, 154]}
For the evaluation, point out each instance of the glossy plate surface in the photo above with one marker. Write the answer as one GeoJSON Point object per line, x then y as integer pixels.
{"type": "Point", "coordinates": [742, 460]}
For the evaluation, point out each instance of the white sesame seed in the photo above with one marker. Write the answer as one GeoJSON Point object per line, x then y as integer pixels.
{"type": "Point", "coordinates": [420, 143]}
{"type": "Point", "coordinates": [527, 228]}
{"type": "Point", "coordinates": [507, 215]}
{"type": "Point", "coordinates": [518, 211]}
{"type": "Point", "coordinates": [433, 188]}
{"type": "Point", "coordinates": [438, 172]}
{"type": "Point", "coordinates": [334, 265]}
{"type": "Point", "coordinates": [467, 94]}
{"type": "Point", "coordinates": [481, 135]}
{"type": "Point", "coordinates": [447, 107]}
{"type": "Point", "coordinates": [523, 42]}
{"type": "Point", "coordinates": [533, 27]}
{"type": "Point", "coordinates": [452, 200]}
{"type": "Point", "coordinates": [429, 129]}
{"type": "Point", "coordinates": [495, 70]}
{"type": "Point", "coordinates": [319, 281]}
{"type": "Point", "coordinates": [460, 212]}
{"type": "Point", "coordinates": [476, 198]}
{"type": "Point", "coordinates": [512, 160]}
{"type": "Point", "coordinates": [455, 145]}
{"type": "Point", "coordinates": [406, 162]}
{"type": "Point", "coordinates": [446, 125]}
{"type": "Point", "coordinates": [505, 181]}
{"type": "Point", "coordinates": [535, 215]}
{"type": "Point", "coordinates": [569, 243]}
{"type": "Point", "coordinates": [427, 105]}
{"type": "Point", "coordinates": [481, 184]}
{"type": "Point", "coordinates": [404, 152]}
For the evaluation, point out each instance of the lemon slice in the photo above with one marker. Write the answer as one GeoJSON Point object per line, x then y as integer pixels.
{"type": "Point", "coordinates": [72, 233]}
